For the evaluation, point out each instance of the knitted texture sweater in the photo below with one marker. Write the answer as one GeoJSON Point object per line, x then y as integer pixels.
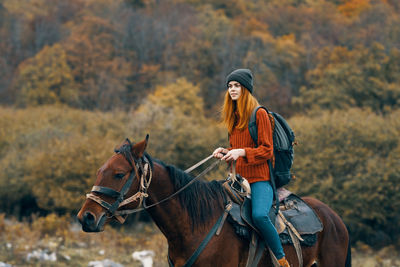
{"type": "Point", "coordinates": [254, 166]}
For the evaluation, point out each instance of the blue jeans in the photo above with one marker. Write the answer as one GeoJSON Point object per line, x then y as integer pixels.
{"type": "Point", "coordinates": [262, 196]}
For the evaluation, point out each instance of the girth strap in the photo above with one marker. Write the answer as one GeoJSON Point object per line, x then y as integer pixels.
{"type": "Point", "coordinates": [295, 236]}
{"type": "Point", "coordinates": [205, 241]}
{"type": "Point", "coordinates": [297, 246]}
{"type": "Point", "coordinates": [252, 249]}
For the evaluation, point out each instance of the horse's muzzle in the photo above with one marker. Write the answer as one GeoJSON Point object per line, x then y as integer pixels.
{"type": "Point", "coordinates": [90, 223]}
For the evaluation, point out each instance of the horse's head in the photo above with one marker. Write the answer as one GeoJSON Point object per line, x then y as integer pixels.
{"type": "Point", "coordinates": [120, 177]}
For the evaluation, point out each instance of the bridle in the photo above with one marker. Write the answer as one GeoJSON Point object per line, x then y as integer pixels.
{"type": "Point", "coordinates": [138, 166]}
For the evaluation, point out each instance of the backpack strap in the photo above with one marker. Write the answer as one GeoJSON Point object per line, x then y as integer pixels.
{"type": "Point", "coordinates": [253, 124]}
{"type": "Point", "coordinates": [254, 135]}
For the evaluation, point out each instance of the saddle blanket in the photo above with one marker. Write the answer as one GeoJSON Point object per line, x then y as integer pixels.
{"type": "Point", "coordinates": [294, 209]}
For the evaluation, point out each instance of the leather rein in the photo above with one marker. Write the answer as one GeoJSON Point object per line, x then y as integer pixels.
{"type": "Point", "coordinates": [140, 168]}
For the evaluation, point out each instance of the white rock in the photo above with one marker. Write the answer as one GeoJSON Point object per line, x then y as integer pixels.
{"type": "Point", "coordinates": [144, 256]}
{"type": "Point", "coordinates": [3, 264]}
{"type": "Point", "coordinates": [42, 255]}
{"type": "Point", "coordinates": [104, 263]}
{"type": "Point", "coordinates": [66, 257]}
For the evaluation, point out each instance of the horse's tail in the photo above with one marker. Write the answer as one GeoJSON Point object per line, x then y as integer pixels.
{"type": "Point", "coordinates": [348, 257]}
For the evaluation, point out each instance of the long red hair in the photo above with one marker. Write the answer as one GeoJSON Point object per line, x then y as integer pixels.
{"type": "Point", "coordinates": [243, 107]}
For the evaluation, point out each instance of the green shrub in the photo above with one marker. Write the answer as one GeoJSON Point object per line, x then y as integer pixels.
{"type": "Point", "coordinates": [350, 160]}
{"type": "Point", "coordinates": [50, 154]}
{"type": "Point", "coordinates": [51, 225]}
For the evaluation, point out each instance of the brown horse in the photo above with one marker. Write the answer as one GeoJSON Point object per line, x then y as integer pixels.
{"type": "Point", "coordinates": [124, 183]}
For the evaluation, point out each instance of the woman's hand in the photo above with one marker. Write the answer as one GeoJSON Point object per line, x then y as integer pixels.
{"type": "Point", "coordinates": [234, 154]}
{"type": "Point", "coordinates": [220, 152]}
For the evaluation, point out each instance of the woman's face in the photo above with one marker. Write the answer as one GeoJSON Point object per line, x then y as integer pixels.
{"type": "Point", "coordinates": [234, 89]}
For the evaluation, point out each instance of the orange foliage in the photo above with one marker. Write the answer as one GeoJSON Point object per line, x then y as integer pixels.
{"type": "Point", "coordinates": [353, 8]}
{"type": "Point", "coordinates": [254, 25]}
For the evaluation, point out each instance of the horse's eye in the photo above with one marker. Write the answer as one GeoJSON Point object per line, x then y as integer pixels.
{"type": "Point", "coordinates": [119, 175]}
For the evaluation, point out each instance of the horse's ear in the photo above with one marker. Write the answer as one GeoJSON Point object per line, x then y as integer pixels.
{"type": "Point", "coordinates": [139, 148]}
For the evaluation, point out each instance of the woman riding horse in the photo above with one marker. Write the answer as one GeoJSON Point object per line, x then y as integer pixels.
{"type": "Point", "coordinates": [185, 210]}
{"type": "Point", "coordinates": [189, 211]}
{"type": "Point", "coordinates": [251, 158]}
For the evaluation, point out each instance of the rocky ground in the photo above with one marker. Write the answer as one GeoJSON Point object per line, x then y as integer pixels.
{"type": "Point", "coordinates": [58, 241]}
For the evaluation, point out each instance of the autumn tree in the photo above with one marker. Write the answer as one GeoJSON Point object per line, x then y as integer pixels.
{"type": "Point", "coordinates": [119, 51]}
{"type": "Point", "coordinates": [353, 78]}
{"type": "Point", "coordinates": [47, 152]}
{"type": "Point", "coordinates": [97, 63]}
{"type": "Point", "coordinates": [156, 36]}
{"type": "Point", "coordinates": [49, 156]}
{"type": "Point", "coordinates": [277, 65]}
{"type": "Point", "coordinates": [46, 79]}
{"type": "Point", "coordinates": [354, 7]}
{"type": "Point", "coordinates": [180, 134]}
{"type": "Point", "coordinates": [26, 27]}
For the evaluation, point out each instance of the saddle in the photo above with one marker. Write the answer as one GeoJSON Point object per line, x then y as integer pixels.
{"type": "Point", "coordinates": [296, 223]}
{"type": "Point", "coordinates": [295, 211]}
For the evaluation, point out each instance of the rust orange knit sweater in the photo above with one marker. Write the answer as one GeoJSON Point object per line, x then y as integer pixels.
{"type": "Point", "coordinates": [254, 167]}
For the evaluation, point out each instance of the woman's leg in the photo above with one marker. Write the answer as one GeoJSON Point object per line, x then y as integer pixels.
{"type": "Point", "coordinates": [261, 199]}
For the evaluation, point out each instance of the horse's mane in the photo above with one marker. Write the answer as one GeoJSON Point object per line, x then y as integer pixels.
{"type": "Point", "coordinates": [200, 198]}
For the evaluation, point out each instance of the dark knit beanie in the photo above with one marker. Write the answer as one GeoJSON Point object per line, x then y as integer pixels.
{"type": "Point", "coordinates": [243, 76]}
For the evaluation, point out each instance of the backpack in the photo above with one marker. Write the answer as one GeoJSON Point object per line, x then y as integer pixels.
{"type": "Point", "coordinates": [283, 140]}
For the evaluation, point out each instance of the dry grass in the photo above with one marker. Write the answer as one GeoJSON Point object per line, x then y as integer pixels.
{"type": "Point", "coordinates": [364, 256]}
{"type": "Point", "coordinates": [76, 248]}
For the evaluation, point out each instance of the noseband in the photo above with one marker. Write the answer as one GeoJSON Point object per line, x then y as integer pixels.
{"type": "Point", "coordinates": [141, 166]}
